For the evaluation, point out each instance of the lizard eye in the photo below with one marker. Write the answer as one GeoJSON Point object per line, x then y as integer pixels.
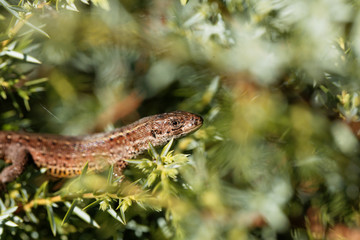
{"type": "Point", "coordinates": [174, 123]}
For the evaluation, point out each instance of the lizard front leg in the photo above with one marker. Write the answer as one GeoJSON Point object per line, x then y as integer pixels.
{"type": "Point", "coordinates": [18, 156]}
{"type": "Point", "coordinates": [119, 167]}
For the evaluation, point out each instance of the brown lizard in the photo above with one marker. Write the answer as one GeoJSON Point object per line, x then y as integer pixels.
{"type": "Point", "coordinates": [65, 156]}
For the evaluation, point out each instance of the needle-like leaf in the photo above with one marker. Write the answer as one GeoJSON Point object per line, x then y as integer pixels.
{"type": "Point", "coordinates": [69, 211]}
{"type": "Point", "coordinates": [166, 148]}
{"type": "Point", "coordinates": [51, 218]}
{"type": "Point", "coordinates": [81, 214]}
{"type": "Point", "coordinates": [11, 10]}
{"type": "Point", "coordinates": [115, 215]}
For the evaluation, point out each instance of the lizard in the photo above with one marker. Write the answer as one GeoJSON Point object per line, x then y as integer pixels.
{"type": "Point", "coordinates": [65, 156]}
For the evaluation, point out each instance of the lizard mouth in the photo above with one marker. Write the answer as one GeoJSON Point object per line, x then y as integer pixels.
{"type": "Point", "coordinates": [184, 123]}
{"type": "Point", "coordinates": [193, 124]}
{"type": "Point", "coordinates": [196, 121]}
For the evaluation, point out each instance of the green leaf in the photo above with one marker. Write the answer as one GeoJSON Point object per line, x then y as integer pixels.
{"type": "Point", "coordinates": [211, 90]}
{"type": "Point", "coordinates": [110, 175]}
{"type": "Point", "coordinates": [81, 214]}
{"type": "Point", "coordinates": [41, 191]}
{"type": "Point", "coordinates": [70, 6]}
{"type": "Point", "coordinates": [84, 170]}
{"type": "Point", "coordinates": [166, 149]}
{"type": "Point", "coordinates": [32, 216]}
{"type": "Point", "coordinates": [104, 204]}
{"type": "Point", "coordinates": [151, 179]}
{"type": "Point", "coordinates": [51, 219]}
{"type": "Point", "coordinates": [92, 204]}
{"type": "Point", "coordinates": [136, 161]}
{"type": "Point", "coordinates": [4, 216]}
{"type": "Point", "coordinates": [18, 9]}
{"type": "Point", "coordinates": [36, 89]}
{"type": "Point", "coordinates": [35, 81]}
{"type": "Point", "coordinates": [24, 95]}
{"type": "Point", "coordinates": [69, 211]}
{"type": "Point", "coordinates": [141, 204]}
{"type": "Point", "coordinates": [155, 189]}
{"type": "Point", "coordinates": [15, 14]}
{"type": "Point", "coordinates": [184, 2]}
{"type": "Point", "coordinates": [9, 210]}
{"type": "Point", "coordinates": [20, 56]}
{"type": "Point", "coordinates": [11, 224]}
{"type": "Point", "coordinates": [152, 151]}
{"type": "Point", "coordinates": [101, 3]}
{"type": "Point", "coordinates": [115, 215]}
{"type": "Point", "coordinates": [3, 95]}
{"type": "Point", "coordinates": [2, 205]}
{"type": "Point", "coordinates": [122, 212]}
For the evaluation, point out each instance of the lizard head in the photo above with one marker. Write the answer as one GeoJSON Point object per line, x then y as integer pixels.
{"type": "Point", "coordinates": [175, 125]}
{"type": "Point", "coordinates": [134, 139]}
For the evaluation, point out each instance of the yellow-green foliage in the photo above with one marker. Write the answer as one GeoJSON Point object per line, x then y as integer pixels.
{"type": "Point", "coordinates": [276, 81]}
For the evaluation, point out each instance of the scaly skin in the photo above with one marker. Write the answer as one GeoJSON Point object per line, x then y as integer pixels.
{"type": "Point", "coordinates": [65, 156]}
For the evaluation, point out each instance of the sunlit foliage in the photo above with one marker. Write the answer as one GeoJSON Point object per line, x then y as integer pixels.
{"type": "Point", "coordinates": [276, 81]}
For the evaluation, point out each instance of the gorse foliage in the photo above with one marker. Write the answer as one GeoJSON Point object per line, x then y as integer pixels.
{"type": "Point", "coordinates": [104, 193]}
{"type": "Point", "coordinates": [275, 81]}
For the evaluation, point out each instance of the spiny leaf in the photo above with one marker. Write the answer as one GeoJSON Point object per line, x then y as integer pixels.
{"type": "Point", "coordinates": [35, 81]}
{"type": "Point", "coordinates": [31, 216]}
{"type": "Point", "coordinates": [101, 3]}
{"type": "Point", "coordinates": [84, 170]}
{"type": "Point", "coordinates": [41, 191]}
{"type": "Point", "coordinates": [92, 204]}
{"type": "Point", "coordinates": [122, 212]}
{"type": "Point", "coordinates": [153, 152]}
{"type": "Point", "coordinates": [110, 175]}
{"type": "Point", "coordinates": [4, 216]}
{"type": "Point", "coordinates": [69, 211]}
{"type": "Point", "coordinates": [9, 210]}
{"type": "Point", "coordinates": [3, 94]}
{"type": "Point", "coordinates": [24, 95]}
{"type": "Point", "coordinates": [83, 215]}
{"type": "Point", "coordinates": [184, 2]}
{"type": "Point", "coordinates": [151, 178]}
{"type": "Point", "coordinates": [211, 90]}
{"type": "Point", "coordinates": [115, 215]}
{"type": "Point", "coordinates": [136, 161]}
{"type": "Point", "coordinates": [10, 224]}
{"type": "Point", "coordinates": [166, 149]}
{"type": "Point", "coordinates": [141, 204]}
{"type": "Point", "coordinates": [20, 56]}
{"type": "Point", "coordinates": [36, 89]}
{"type": "Point", "coordinates": [15, 14]}
{"type": "Point", "coordinates": [2, 205]}
{"type": "Point", "coordinates": [51, 219]}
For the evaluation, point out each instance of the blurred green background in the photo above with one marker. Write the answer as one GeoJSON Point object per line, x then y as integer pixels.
{"type": "Point", "coordinates": [276, 81]}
